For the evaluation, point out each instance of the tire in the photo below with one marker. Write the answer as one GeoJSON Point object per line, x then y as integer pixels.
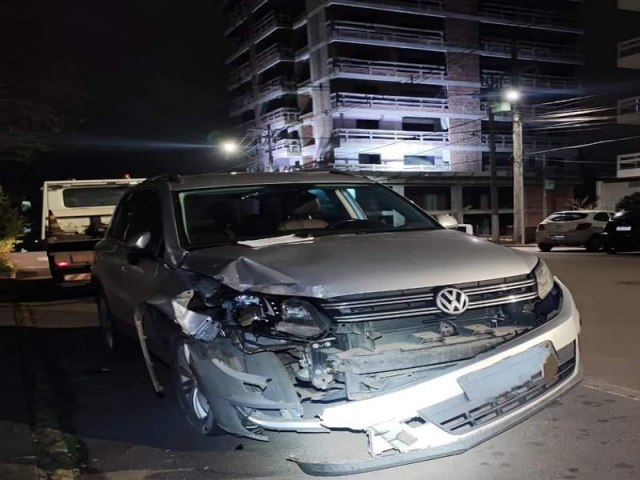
{"type": "Point", "coordinates": [610, 249]}
{"type": "Point", "coordinates": [114, 342]}
{"type": "Point", "coordinates": [193, 403]}
{"type": "Point", "coordinates": [545, 247]}
{"type": "Point", "coordinates": [594, 244]}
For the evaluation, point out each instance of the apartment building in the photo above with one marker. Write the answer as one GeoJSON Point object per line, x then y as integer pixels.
{"type": "Point", "coordinates": [398, 85]}
{"type": "Point", "coordinates": [629, 108]}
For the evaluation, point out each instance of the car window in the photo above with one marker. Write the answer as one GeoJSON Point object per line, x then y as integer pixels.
{"type": "Point", "coordinates": [567, 217]}
{"type": "Point", "coordinates": [224, 215]}
{"type": "Point", "coordinates": [601, 217]}
{"type": "Point", "coordinates": [83, 197]}
{"type": "Point", "coordinates": [140, 213]}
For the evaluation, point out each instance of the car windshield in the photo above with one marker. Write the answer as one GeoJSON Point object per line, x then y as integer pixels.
{"type": "Point", "coordinates": [228, 215]}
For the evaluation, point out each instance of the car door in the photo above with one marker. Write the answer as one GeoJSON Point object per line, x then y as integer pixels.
{"type": "Point", "coordinates": [128, 277]}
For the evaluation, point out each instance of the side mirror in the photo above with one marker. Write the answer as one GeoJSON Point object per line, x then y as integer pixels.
{"type": "Point", "coordinates": [137, 247]}
{"type": "Point", "coordinates": [447, 221]}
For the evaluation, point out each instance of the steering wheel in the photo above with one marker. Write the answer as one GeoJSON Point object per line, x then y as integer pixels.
{"type": "Point", "coordinates": [357, 224]}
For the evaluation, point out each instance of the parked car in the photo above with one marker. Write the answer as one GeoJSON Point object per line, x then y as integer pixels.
{"type": "Point", "coordinates": [321, 302]}
{"type": "Point", "coordinates": [574, 228]}
{"type": "Point", "coordinates": [622, 233]}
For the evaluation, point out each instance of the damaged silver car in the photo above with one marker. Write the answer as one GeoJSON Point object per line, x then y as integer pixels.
{"type": "Point", "coordinates": [322, 301]}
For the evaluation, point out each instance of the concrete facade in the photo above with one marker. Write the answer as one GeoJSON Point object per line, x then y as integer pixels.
{"type": "Point", "coordinates": [395, 86]}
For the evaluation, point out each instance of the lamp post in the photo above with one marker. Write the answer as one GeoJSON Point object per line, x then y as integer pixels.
{"type": "Point", "coordinates": [513, 96]}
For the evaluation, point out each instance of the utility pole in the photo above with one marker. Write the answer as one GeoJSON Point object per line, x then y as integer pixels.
{"type": "Point", "coordinates": [270, 147]}
{"type": "Point", "coordinates": [495, 217]}
{"type": "Point", "coordinates": [518, 178]}
{"type": "Point", "coordinates": [518, 153]}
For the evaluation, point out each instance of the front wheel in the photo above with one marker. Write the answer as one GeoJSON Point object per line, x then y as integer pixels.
{"type": "Point", "coordinates": [545, 247]}
{"type": "Point", "coordinates": [194, 404]}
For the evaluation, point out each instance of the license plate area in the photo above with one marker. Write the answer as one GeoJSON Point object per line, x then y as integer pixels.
{"type": "Point", "coordinates": [538, 364]}
{"type": "Point", "coordinates": [623, 228]}
{"type": "Point", "coordinates": [557, 237]}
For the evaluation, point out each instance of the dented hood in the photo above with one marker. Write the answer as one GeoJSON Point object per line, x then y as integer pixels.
{"type": "Point", "coordinates": [355, 264]}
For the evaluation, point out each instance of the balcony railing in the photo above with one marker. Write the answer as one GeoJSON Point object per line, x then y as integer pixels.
{"type": "Point", "coordinates": [239, 75]}
{"type": "Point", "coordinates": [505, 142]}
{"type": "Point", "coordinates": [267, 91]}
{"type": "Point", "coordinates": [532, 50]}
{"type": "Point", "coordinates": [355, 166]}
{"type": "Point", "coordinates": [239, 14]}
{"type": "Point", "coordinates": [358, 135]}
{"type": "Point", "coordinates": [388, 102]}
{"type": "Point", "coordinates": [280, 117]}
{"type": "Point", "coordinates": [385, 34]}
{"type": "Point", "coordinates": [381, 70]}
{"type": "Point", "coordinates": [268, 24]}
{"type": "Point", "coordinates": [498, 79]}
{"type": "Point", "coordinates": [287, 147]}
{"type": "Point", "coordinates": [272, 56]}
{"type": "Point", "coordinates": [629, 165]}
{"type": "Point", "coordinates": [629, 47]}
{"type": "Point", "coordinates": [629, 106]}
{"type": "Point", "coordinates": [426, 6]}
{"type": "Point", "coordinates": [533, 17]}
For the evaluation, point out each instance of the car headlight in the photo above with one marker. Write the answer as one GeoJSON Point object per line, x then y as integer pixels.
{"type": "Point", "coordinates": [544, 279]}
{"type": "Point", "coordinates": [300, 318]}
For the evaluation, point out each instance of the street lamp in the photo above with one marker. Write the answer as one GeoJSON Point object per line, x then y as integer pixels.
{"type": "Point", "coordinates": [230, 147]}
{"type": "Point", "coordinates": [512, 95]}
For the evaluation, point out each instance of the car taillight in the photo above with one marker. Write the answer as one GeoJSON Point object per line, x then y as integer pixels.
{"type": "Point", "coordinates": [583, 226]}
{"type": "Point", "coordinates": [541, 227]}
{"type": "Point", "coordinates": [63, 264]}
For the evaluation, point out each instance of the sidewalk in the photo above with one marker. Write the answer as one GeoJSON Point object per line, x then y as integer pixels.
{"type": "Point", "coordinates": [17, 455]}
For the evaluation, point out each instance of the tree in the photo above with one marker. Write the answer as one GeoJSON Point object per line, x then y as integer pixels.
{"type": "Point", "coordinates": [11, 227]}
{"type": "Point", "coordinates": [630, 202]}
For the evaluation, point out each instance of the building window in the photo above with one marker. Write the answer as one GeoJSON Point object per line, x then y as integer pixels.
{"type": "Point", "coordinates": [419, 160]}
{"type": "Point", "coordinates": [369, 159]}
{"type": "Point", "coordinates": [368, 124]}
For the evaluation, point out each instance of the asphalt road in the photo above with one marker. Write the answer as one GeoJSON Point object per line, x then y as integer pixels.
{"type": "Point", "coordinates": [127, 433]}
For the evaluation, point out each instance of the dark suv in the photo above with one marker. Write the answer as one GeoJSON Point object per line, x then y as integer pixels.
{"type": "Point", "coordinates": [622, 233]}
{"type": "Point", "coordinates": [321, 301]}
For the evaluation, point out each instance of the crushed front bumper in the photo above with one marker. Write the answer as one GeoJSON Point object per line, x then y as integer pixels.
{"type": "Point", "coordinates": [459, 409]}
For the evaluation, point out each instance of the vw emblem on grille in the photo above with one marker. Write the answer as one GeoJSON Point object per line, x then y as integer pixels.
{"type": "Point", "coordinates": [452, 301]}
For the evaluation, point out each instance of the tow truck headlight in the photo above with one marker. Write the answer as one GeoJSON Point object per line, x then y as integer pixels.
{"type": "Point", "coordinates": [544, 279]}
{"type": "Point", "coordinates": [300, 318]}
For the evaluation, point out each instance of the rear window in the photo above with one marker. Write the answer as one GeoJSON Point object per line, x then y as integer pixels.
{"type": "Point", "coordinates": [93, 196]}
{"type": "Point", "coordinates": [567, 217]}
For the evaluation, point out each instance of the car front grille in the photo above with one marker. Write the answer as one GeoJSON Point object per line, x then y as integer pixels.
{"type": "Point", "coordinates": [417, 303]}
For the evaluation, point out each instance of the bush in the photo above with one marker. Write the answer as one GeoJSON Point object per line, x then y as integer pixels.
{"type": "Point", "coordinates": [630, 202]}
{"type": "Point", "coordinates": [11, 227]}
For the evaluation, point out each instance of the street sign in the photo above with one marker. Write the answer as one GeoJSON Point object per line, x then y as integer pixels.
{"type": "Point", "coordinates": [549, 184]}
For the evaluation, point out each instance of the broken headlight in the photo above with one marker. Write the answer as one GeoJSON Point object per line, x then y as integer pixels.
{"type": "Point", "coordinates": [198, 325]}
{"type": "Point", "coordinates": [301, 319]}
{"type": "Point", "coordinates": [544, 279]}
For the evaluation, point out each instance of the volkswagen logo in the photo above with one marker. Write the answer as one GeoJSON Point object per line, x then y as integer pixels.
{"type": "Point", "coordinates": [452, 301]}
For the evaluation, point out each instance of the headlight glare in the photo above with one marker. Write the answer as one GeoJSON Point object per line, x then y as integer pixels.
{"type": "Point", "coordinates": [544, 279]}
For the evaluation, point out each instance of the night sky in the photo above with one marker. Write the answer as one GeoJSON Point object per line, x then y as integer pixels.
{"type": "Point", "coordinates": [145, 70]}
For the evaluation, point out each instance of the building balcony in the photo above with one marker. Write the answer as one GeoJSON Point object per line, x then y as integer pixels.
{"type": "Point", "coordinates": [269, 24]}
{"type": "Point", "coordinates": [388, 103]}
{"type": "Point", "coordinates": [287, 148]}
{"type": "Point", "coordinates": [280, 118]}
{"type": "Point", "coordinates": [238, 76]}
{"type": "Point", "coordinates": [386, 71]}
{"type": "Point", "coordinates": [537, 51]}
{"type": "Point", "coordinates": [629, 111]}
{"type": "Point", "coordinates": [504, 143]}
{"type": "Point", "coordinates": [530, 17]}
{"type": "Point", "coordinates": [347, 165]}
{"type": "Point", "coordinates": [633, 5]}
{"type": "Point", "coordinates": [385, 35]}
{"type": "Point", "coordinates": [238, 15]}
{"type": "Point", "coordinates": [499, 79]}
{"type": "Point", "coordinates": [629, 54]}
{"type": "Point", "coordinates": [422, 7]}
{"type": "Point", "coordinates": [268, 91]}
{"type": "Point", "coordinates": [369, 137]}
{"type": "Point", "coordinates": [272, 56]}
{"type": "Point", "coordinates": [629, 165]}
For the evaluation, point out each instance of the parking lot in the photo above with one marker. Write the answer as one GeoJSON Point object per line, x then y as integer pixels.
{"type": "Point", "coordinates": [124, 432]}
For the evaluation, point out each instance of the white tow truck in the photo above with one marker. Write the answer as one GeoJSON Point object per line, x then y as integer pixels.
{"type": "Point", "coordinates": [75, 216]}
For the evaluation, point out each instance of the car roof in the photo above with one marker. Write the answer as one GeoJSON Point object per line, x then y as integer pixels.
{"type": "Point", "coordinates": [213, 180]}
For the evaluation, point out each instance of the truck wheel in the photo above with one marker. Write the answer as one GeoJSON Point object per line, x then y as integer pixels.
{"type": "Point", "coordinates": [594, 244]}
{"type": "Point", "coordinates": [193, 403]}
{"type": "Point", "coordinates": [113, 340]}
{"type": "Point", "coordinates": [545, 247]}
